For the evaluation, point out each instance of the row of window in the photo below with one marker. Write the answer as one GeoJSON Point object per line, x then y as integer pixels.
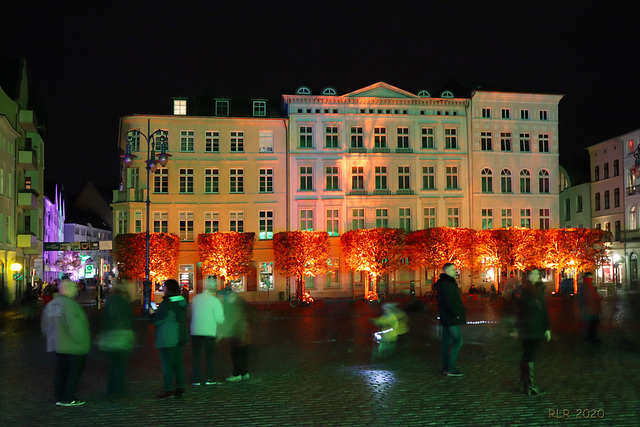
{"type": "Point", "coordinates": [605, 170]}
{"type": "Point", "coordinates": [486, 142]}
{"type": "Point", "coordinates": [211, 180]}
{"type": "Point", "coordinates": [607, 199]}
{"type": "Point", "coordinates": [221, 107]}
{"type": "Point", "coordinates": [506, 182]}
{"type": "Point", "coordinates": [506, 218]}
{"type": "Point", "coordinates": [379, 138]}
{"type": "Point", "coordinates": [387, 111]}
{"type": "Point", "coordinates": [375, 217]}
{"type": "Point", "coordinates": [235, 141]}
{"type": "Point", "coordinates": [332, 181]}
{"type": "Point", "coordinates": [505, 113]}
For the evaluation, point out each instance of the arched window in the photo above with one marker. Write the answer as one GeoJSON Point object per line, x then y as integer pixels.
{"type": "Point", "coordinates": [446, 94]}
{"type": "Point", "coordinates": [329, 91]}
{"type": "Point", "coordinates": [633, 218]}
{"type": "Point", "coordinates": [544, 181]}
{"type": "Point", "coordinates": [303, 90]}
{"type": "Point", "coordinates": [505, 181]}
{"type": "Point", "coordinates": [424, 94]}
{"type": "Point", "coordinates": [487, 181]}
{"type": "Point", "coordinates": [525, 181]}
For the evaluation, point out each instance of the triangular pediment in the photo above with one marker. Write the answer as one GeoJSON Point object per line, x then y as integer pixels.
{"type": "Point", "coordinates": [380, 90]}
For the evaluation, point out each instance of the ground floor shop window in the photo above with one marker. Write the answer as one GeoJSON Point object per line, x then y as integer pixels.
{"type": "Point", "coordinates": [265, 276]}
{"type": "Point", "coordinates": [186, 276]}
{"type": "Point", "coordinates": [333, 273]}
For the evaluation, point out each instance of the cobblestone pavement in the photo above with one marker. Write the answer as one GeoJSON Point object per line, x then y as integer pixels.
{"type": "Point", "coordinates": [312, 366]}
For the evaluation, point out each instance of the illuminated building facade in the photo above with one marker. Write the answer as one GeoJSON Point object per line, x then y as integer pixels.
{"type": "Point", "coordinates": [630, 235]}
{"type": "Point", "coordinates": [227, 172]}
{"type": "Point", "coordinates": [379, 156]}
{"type": "Point", "coordinates": [21, 181]}
{"type": "Point", "coordinates": [607, 202]}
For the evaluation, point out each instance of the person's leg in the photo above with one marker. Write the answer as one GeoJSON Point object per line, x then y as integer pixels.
{"type": "Point", "coordinates": [243, 359]}
{"type": "Point", "coordinates": [178, 368]}
{"type": "Point", "coordinates": [62, 368]}
{"type": "Point", "coordinates": [456, 344]}
{"type": "Point", "coordinates": [234, 345]}
{"type": "Point", "coordinates": [119, 368]}
{"type": "Point", "coordinates": [166, 358]}
{"type": "Point", "coordinates": [76, 366]}
{"type": "Point", "coordinates": [444, 348]}
{"type": "Point", "coordinates": [196, 349]}
{"type": "Point", "coordinates": [210, 356]}
{"type": "Point", "coordinates": [530, 347]}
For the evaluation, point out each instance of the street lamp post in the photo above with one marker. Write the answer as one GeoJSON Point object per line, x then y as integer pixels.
{"type": "Point", "coordinates": [154, 142]}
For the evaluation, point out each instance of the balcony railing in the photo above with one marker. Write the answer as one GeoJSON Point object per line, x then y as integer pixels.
{"type": "Point", "coordinates": [629, 236]}
{"type": "Point", "coordinates": [405, 191]}
{"type": "Point", "coordinates": [357, 150]}
{"type": "Point", "coordinates": [634, 189]}
{"type": "Point", "coordinates": [380, 150]}
{"type": "Point", "coordinates": [357, 193]}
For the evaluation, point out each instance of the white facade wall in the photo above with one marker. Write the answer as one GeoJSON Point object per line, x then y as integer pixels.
{"type": "Point", "coordinates": [498, 116]}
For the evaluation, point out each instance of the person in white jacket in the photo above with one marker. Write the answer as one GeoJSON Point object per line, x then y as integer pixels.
{"type": "Point", "coordinates": [206, 314]}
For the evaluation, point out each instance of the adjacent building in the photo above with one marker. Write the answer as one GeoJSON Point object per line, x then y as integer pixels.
{"type": "Point", "coordinates": [21, 181]}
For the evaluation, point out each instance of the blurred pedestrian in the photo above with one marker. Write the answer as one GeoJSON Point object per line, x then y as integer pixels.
{"type": "Point", "coordinates": [116, 338]}
{"type": "Point", "coordinates": [66, 328]}
{"type": "Point", "coordinates": [590, 307]}
{"type": "Point", "coordinates": [393, 324]}
{"type": "Point", "coordinates": [171, 337]}
{"type": "Point", "coordinates": [48, 291]}
{"type": "Point", "coordinates": [206, 314]}
{"type": "Point", "coordinates": [533, 325]}
{"type": "Point", "coordinates": [452, 314]}
{"type": "Point", "coordinates": [236, 329]}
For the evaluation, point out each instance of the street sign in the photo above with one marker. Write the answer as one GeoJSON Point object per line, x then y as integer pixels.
{"type": "Point", "coordinates": [77, 246]}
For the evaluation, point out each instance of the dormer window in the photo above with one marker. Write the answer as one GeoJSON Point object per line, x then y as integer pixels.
{"type": "Point", "coordinates": [259, 108]}
{"type": "Point", "coordinates": [222, 107]}
{"type": "Point", "coordinates": [446, 94]}
{"type": "Point", "coordinates": [180, 107]}
{"type": "Point", "coordinates": [303, 90]}
{"type": "Point", "coordinates": [424, 94]}
{"type": "Point", "coordinates": [329, 91]}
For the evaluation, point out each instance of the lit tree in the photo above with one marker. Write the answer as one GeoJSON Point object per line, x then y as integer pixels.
{"type": "Point", "coordinates": [574, 249]}
{"type": "Point", "coordinates": [227, 255]}
{"type": "Point", "coordinates": [301, 253]}
{"type": "Point", "coordinates": [506, 248]}
{"type": "Point", "coordinates": [375, 251]}
{"type": "Point", "coordinates": [130, 254]}
{"type": "Point", "coordinates": [68, 262]}
{"type": "Point", "coordinates": [433, 247]}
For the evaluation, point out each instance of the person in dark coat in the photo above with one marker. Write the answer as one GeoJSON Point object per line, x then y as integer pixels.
{"type": "Point", "coordinates": [117, 323]}
{"type": "Point", "coordinates": [533, 325]}
{"type": "Point", "coordinates": [452, 315]}
{"type": "Point", "coordinates": [590, 307]}
{"type": "Point", "coordinates": [171, 337]}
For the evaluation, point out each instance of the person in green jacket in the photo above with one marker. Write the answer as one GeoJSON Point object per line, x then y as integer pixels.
{"type": "Point", "coordinates": [66, 329]}
{"type": "Point", "coordinates": [171, 337]}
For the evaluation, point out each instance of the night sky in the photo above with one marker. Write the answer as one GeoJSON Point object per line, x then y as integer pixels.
{"type": "Point", "coordinates": [91, 64]}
